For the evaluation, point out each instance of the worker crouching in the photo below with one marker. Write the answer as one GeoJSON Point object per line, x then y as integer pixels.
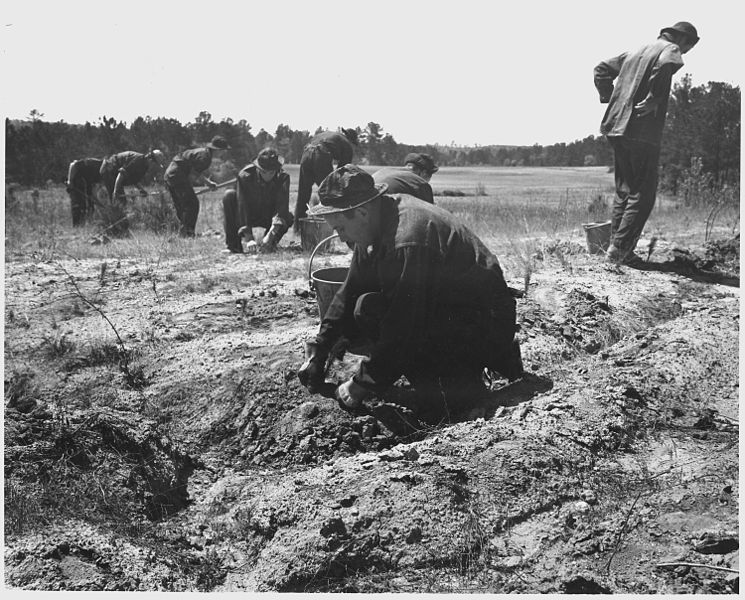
{"type": "Point", "coordinates": [260, 199]}
{"type": "Point", "coordinates": [423, 289]}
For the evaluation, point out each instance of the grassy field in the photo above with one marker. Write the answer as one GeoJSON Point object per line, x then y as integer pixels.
{"type": "Point", "coordinates": [514, 210]}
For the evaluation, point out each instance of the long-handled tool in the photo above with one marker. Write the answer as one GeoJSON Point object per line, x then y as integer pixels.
{"type": "Point", "coordinates": [217, 187]}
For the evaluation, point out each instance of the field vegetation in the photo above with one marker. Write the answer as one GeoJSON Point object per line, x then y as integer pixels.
{"type": "Point", "coordinates": [156, 437]}
{"type": "Point", "coordinates": [510, 208]}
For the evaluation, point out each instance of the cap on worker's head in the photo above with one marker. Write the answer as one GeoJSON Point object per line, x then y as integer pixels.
{"type": "Point", "coordinates": [218, 143]}
{"type": "Point", "coordinates": [269, 160]}
{"type": "Point", "coordinates": [351, 135]}
{"type": "Point", "coordinates": [683, 27]}
{"type": "Point", "coordinates": [423, 161]}
{"type": "Point", "coordinates": [346, 188]}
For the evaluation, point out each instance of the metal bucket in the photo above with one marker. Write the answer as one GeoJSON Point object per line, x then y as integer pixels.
{"type": "Point", "coordinates": [325, 282]}
{"type": "Point", "coordinates": [312, 230]}
{"type": "Point", "coordinates": [598, 237]}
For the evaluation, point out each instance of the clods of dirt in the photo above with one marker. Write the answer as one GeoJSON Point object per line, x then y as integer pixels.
{"type": "Point", "coordinates": [223, 473]}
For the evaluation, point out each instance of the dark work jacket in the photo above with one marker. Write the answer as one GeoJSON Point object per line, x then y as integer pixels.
{"type": "Point", "coordinates": [189, 162]}
{"type": "Point", "coordinates": [404, 181]}
{"type": "Point", "coordinates": [88, 168]}
{"type": "Point", "coordinates": [260, 201]}
{"type": "Point", "coordinates": [336, 144]}
{"type": "Point", "coordinates": [133, 165]}
{"type": "Point", "coordinates": [428, 267]}
{"type": "Point", "coordinates": [643, 75]}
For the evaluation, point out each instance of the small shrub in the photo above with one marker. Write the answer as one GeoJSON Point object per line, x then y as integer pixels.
{"type": "Point", "coordinates": [153, 213]}
{"type": "Point", "coordinates": [103, 354]}
{"type": "Point", "coordinates": [206, 283]}
{"type": "Point", "coordinates": [58, 345]}
{"type": "Point", "coordinates": [18, 387]}
{"type": "Point", "coordinates": [111, 216]}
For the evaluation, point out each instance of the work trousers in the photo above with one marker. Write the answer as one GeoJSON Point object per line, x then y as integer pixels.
{"type": "Point", "coordinates": [315, 165]}
{"type": "Point", "coordinates": [185, 202]}
{"type": "Point", "coordinates": [635, 169]}
{"type": "Point", "coordinates": [446, 375]}
{"type": "Point", "coordinates": [268, 217]}
{"type": "Point", "coordinates": [80, 190]}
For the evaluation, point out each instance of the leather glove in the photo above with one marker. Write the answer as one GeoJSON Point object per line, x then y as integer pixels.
{"type": "Point", "coordinates": [312, 373]}
{"type": "Point", "coordinates": [351, 394]}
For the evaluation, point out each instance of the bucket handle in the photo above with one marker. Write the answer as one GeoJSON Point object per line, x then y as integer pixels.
{"type": "Point", "coordinates": [312, 254]}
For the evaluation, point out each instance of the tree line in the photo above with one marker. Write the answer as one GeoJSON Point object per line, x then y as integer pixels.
{"type": "Point", "coordinates": [703, 124]}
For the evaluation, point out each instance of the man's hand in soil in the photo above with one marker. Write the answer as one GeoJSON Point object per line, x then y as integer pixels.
{"type": "Point", "coordinates": [351, 394]}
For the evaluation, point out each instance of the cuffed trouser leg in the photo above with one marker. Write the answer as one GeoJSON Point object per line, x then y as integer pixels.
{"type": "Point", "coordinates": [186, 204]}
{"type": "Point", "coordinates": [635, 167]}
{"type": "Point", "coordinates": [191, 214]}
{"type": "Point", "coordinates": [230, 213]}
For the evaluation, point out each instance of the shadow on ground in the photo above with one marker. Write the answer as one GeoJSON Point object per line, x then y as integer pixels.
{"type": "Point", "coordinates": [686, 266]}
{"type": "Point", "coordinates": [411, 425]}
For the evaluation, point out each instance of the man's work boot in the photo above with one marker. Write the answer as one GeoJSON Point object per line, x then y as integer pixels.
{"type": "Point", "coordinates": [632, 259]}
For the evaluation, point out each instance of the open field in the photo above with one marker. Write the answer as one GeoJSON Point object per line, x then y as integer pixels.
{"type": "Point", "coordinates": [157, 438]}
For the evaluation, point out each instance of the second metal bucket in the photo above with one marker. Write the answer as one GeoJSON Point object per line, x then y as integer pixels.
{"type": "Point", "coordinates": [312, 230]}
{"type": "Point", "coordinates": [325, 282]}
{"type": "Point", "coordinates": [598, 237]}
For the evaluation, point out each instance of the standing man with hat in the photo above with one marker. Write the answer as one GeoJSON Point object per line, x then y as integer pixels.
{"type": "Point", "coordinates": [633, 124]}
{"type": "Point", "coordinates": [82, 175]}
{"type": "Point", "coordinates": [423, 289]}
{"type": "Point", "coordinates": [127, 168]}
{"type": "Point", "coordinates": [188, 168]}
{"type": "Point", "coordinates": [261, 198]}
{"type": "Point", "coordinates": [317, 161]}
{"type": "Point", "coordinates": [413, 179]}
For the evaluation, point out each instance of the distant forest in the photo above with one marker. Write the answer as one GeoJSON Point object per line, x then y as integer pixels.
{"type": "Point", "coordinates": [703, 124]}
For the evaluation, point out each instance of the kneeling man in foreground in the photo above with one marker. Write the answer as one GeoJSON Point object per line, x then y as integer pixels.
{"type": "Point", "coordinates": [423, 289]}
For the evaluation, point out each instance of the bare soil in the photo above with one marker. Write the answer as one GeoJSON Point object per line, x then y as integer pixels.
{"type": "Point", "coordinates": [189, 457]}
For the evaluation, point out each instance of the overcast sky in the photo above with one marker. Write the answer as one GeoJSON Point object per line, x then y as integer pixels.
{"type": "Point", "coordinates": [463, 71]}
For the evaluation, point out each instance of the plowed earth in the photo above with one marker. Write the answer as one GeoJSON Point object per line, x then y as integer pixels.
{"type": "Point", "coordinates": [188, 456]}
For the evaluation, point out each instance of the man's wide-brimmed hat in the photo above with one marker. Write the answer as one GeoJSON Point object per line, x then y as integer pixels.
{"type": "Point", "coordinates": [218, 143]}
{"type": "Point", "coordinates": [346, 188]}
{"type": "Point", "coordinates": [683, 27]}
{"type": "Point", "coordinates": [423, 161]}
{"type": "Point", "coordinates": [269, 160]}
